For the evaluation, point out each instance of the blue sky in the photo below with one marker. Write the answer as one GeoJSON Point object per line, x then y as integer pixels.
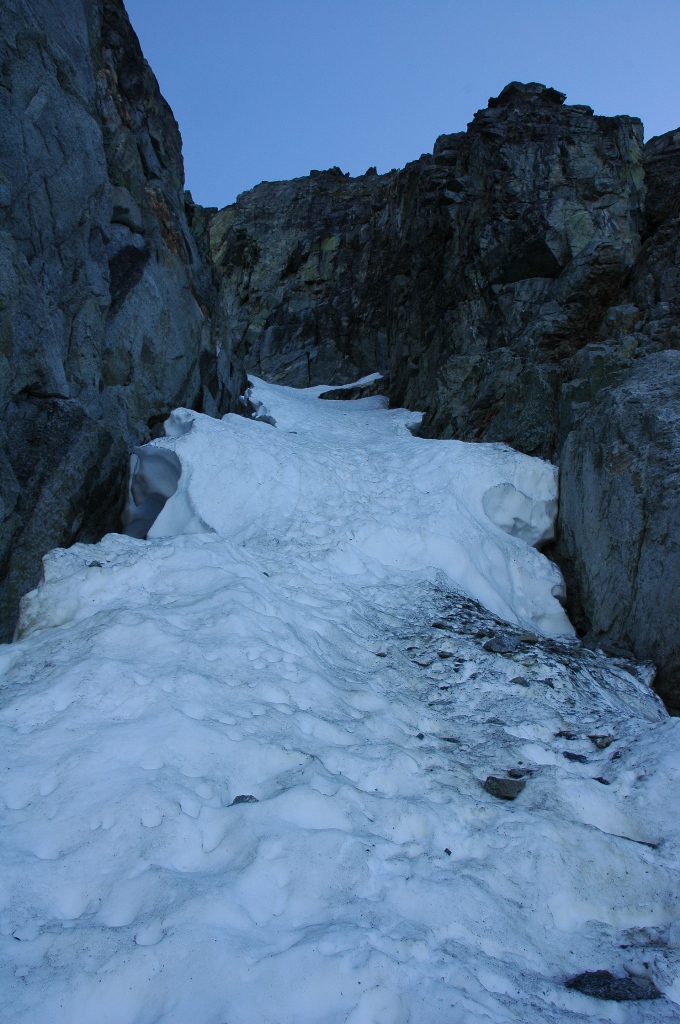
{"type": "Point", "coordinates": [269, 89]}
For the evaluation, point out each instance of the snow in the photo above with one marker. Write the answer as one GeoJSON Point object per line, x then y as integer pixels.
{"type": "Point", "coordinates": [351, 485]}
{"type": "Point", "coordinates": [306, 626]}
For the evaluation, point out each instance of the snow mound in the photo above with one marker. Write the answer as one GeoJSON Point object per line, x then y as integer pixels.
{"type": "Point", "coordinates": [348, 484]}
{"type": "Point", "coordinates": [243, 762]}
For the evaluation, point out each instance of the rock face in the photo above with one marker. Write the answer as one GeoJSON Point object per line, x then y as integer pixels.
{"type": "Point", "coordinates": [105, 301]}
{"type": "Point", "coordinates": [621, 460]}
{"type": "Point", "coordinates": [473, 276]}
{"type": "Point", "coordinates": [619, 513]}
{"type": "Point", "coordinates": [520, 284]}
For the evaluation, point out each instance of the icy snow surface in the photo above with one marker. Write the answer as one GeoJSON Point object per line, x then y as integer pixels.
{"type": "Point", "coordinates": [331, 618]}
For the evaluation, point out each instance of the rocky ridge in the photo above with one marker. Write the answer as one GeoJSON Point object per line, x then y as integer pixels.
{"type": "Point", "coordinates": [519, 284]}
{"type": "Point", "coordinates": [105, 301]}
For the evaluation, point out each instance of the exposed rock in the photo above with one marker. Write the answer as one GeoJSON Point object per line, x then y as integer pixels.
{"type": "Point", "coordinates": [471, 275]}
{"type": "Point", "coordinates": [504, 789]}
{"type": "Point", "coordinates": [105, 302]}
{"type": "Point", "coordinates": [602, 742]}
{"type": "Point", "coordinates": [622, 449]}
{"type": "Point", "coordinates": [502, 644]}
{"type": "Point", "coordinates": [604, 985]}
{"type": "Point", "coordinates": [620, 513]}
{"type": "Point", "coordinates": [379, 386]}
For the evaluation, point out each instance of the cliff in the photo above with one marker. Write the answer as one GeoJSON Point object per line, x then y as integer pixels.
{"type": "Point", "coordinates": [105, 302]}
{"type": "Point", "coordinates": [518, 285]}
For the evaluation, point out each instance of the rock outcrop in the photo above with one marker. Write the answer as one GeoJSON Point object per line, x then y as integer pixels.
{"type": "Point", "coordinates": [620, 465]}
{"type": "Point", "coordinates": [105, 300]}
{"type": "Point", "coordinates": [517, 285]}
{"type": "Point", "coordinates": [619, 513]}
{"type": "Point", "coordinates": [473, 276]}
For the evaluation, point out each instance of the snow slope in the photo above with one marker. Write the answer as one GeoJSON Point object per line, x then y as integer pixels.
{"type": "Point", "coordinates": [243, 760]}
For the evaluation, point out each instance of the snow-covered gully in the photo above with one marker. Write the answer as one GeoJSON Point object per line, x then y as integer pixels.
{"type": "Point", "coordinates": [324, 750]}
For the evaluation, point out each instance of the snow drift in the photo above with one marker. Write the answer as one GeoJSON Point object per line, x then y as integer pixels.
{"type": "Point", "coordinates": [243, 761]}
{"type": "Point", "coordinates": [349, 483]}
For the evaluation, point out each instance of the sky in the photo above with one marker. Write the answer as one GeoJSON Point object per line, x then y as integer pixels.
{"type": "Point", "coordinates": [271, 89]}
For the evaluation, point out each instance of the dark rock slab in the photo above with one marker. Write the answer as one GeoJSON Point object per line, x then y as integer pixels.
{"type": "Point", "coordinates": [380, 386]}
{"type": "Point", "coordinates": [604, 985]}
{"type": "Point", "coordinates": [601, 741]}
{"type": "Point", "coordinates": [520, 681]}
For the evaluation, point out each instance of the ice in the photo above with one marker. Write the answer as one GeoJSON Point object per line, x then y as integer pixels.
{"type": "Point", "coordinates": [241, 785]}
{"type": "Point", "coordinates": [152, 479]}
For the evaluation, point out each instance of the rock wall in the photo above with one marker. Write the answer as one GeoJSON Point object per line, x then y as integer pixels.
{"type": "Point", "coordinates": [620, 465]}
{"type": "Point", "coordinates": [105, 300]}
{"type": "Point", "coordinates": [473, 276]}
{"type": "Point", "coordinates": [517, 284]}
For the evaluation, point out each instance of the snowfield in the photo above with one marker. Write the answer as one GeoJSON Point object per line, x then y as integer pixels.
{"type": "Point", "coordinates": [243, 760]}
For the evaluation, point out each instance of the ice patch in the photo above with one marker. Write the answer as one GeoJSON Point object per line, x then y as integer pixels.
{"type": "Point", "coordinates": [530, 518]}
{"type": "Point", "coordinates": [152, 479]}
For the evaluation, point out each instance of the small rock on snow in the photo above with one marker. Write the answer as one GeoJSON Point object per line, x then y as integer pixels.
{"type": "Point", "coordinates": [502, 645]}
{"type": "Point", "coordinates": [602, 741]}
{"type": "Point", "coordinates": [520, 681]}
{"type": "Point", "coordinates": [504, 789]}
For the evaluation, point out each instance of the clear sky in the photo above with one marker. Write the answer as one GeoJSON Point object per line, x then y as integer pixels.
{"type": "Point", "coordinates": [269, 89]}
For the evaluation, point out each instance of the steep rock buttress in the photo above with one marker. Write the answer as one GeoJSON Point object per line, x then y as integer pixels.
{"type": "Point", "coordinates": [105, 301]}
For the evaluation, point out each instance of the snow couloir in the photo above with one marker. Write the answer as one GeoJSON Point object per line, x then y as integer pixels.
{"type": "Point", "coordinates": [347, 483]}
{"type": "Point", "coordinates": [244, 760]}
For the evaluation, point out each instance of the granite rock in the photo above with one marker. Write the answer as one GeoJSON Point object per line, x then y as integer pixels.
{"type": "Point", "coordinates": [105, 300]}
{"type": "Point", "coordinates": [621, 453]}
{"type": "Point", "coordinates": [472, 276]}
{"type": "Point", "coordinates": [620, 514]}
